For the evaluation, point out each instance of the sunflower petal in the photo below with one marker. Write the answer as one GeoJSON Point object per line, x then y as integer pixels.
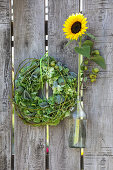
{"type": "Point", "coordinates": [72, 19]}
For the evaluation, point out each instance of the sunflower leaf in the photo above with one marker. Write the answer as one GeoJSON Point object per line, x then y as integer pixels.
{"type": "Point", "coordinates": [91, 36]}
{"type": "Point", "coordinates": [99, 60]}
{"type": "Point", "coordinates": [85, 51]}
{"type": "Point", "coordinates": [88, 43]}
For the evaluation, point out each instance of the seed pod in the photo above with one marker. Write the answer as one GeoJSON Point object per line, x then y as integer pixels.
{"type": "Point", "coordinates": [95, 70]}
{"type": "Point", "coordinates": [93, 80]}
{"type": "Point", "coordinates": [96, 52]}
{"type": "Point", "coordinates": [52, 63]}
{"type": "Point", "coordinates": [86, 62]}
{"type": "Point", "coordinates": [85, 68]}
{"type": "Point", "coordinates": [92, 76]}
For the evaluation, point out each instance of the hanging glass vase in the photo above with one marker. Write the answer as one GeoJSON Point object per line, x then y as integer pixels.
{"type": "Point", "coordinates": [77, 136]}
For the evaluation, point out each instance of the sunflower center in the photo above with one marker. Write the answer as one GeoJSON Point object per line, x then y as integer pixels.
{"type": "Point", "coordinates": [76, 27]}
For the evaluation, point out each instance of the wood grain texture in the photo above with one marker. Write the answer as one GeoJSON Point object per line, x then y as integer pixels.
{"type": "Point", "coordinates": [29, 41]}
{"type": "Point", "coordinates": [98, 99]}
{"type": "Point", "coordinates": [61, 156]}
{"type": "Point", "coordinates": [5, 86]}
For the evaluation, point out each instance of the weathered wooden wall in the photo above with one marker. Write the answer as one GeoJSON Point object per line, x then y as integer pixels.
{"type": "Point", "coordinates": [29, 41]}
{"type": "Point", "coordinates": [98, 99]}
{"type": "Point", "coordinates": [5, 86]}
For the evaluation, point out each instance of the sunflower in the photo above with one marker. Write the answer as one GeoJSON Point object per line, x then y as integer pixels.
{"type": "Point", "coordinates": [75, 26]}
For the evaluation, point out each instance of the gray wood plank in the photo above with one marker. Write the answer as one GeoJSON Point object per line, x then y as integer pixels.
{"type": "Point", "coordinates": [98, 99]}
{"type": "Point", "coordinates": [61, 157]}
{"type": "Point", "coordinates": [5, 86]}
{"type": "Point", "coordinates": [29, 41]}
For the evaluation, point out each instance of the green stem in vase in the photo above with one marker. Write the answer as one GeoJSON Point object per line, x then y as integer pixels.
{"type": "Point", "coordinates": [80, 58]}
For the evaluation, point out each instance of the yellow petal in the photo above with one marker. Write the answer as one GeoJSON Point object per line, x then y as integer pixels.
{"type": "Point", "coordinates": [78, 17]}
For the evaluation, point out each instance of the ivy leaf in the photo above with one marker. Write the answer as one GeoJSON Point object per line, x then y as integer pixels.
{"type": "Point", "coordinates": [22, 103]}
{"type": "Point", "coordinates": [26, 95]}
{"type": "Point", "coordinates": [20, 90]}
{"type": "Point", "coordinates": [59, 99]}
{"type": "Point", "coordinates": [55, 84]}
{"type": "Point", "coordinates": [73, 75]}
{"type": "Point", "coordinates": [61, 81]}
{"type": "Point", "coordinates": [88, 43]}
{"type": "Point", "coordinates": [16, 83]}
{"type": "Point", "coordinates": [85, 51]}
{"type": "Point", "coordinates": [91, 36]}
{"type": "Point", "coordinates": [44, 104]}
{"type": "Point", "coordinates": [67, 113]}
{"type": "Point", "coordinates": [99, 60]}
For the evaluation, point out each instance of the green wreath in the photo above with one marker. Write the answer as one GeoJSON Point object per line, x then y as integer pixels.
{"type": "Point", "coordinates": [31, 104]}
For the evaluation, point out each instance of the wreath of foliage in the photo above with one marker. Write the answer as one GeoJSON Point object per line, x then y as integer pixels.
{"type": "Point", "coordinates": [31, 104]}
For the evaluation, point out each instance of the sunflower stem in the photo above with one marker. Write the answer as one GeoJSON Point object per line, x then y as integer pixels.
{"type": "Point", "coordinates": [79, 73]}
{"type": "Point", "coordinates": [76, 135]}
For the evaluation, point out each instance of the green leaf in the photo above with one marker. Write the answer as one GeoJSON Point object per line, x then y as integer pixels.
{"type": "Point", "coordinates": [16, 83]}
{"type": "Point", "coordinates": [22, 103]}
{"type": "Point", "coordinates": [85, 51]}
{"type": "Point", "coordinates": [91, 36]}
{"type": "Point", "coordinates": [20, 90]}
{"type": "Point", "coordinates": [55, 84]}
{"type": "Point", "coordinates": [26, 95]}
{"type": "Point", "coordinates": [61, 81]}
{"type": "Point", "coordinates": [85, 79]}
{"type": "Point", "coordinates": [59, 99]}
{"type": "Point", "coordinates": [67, 113]}
{"type": "Point", "coordinates": [88, 43]}
{"type": "Point", "coordinates": [44, 104]}
{"type": "Point", "coordinates": [99, 60]}
{"type": "Point", "coordinates": [73, 75]}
